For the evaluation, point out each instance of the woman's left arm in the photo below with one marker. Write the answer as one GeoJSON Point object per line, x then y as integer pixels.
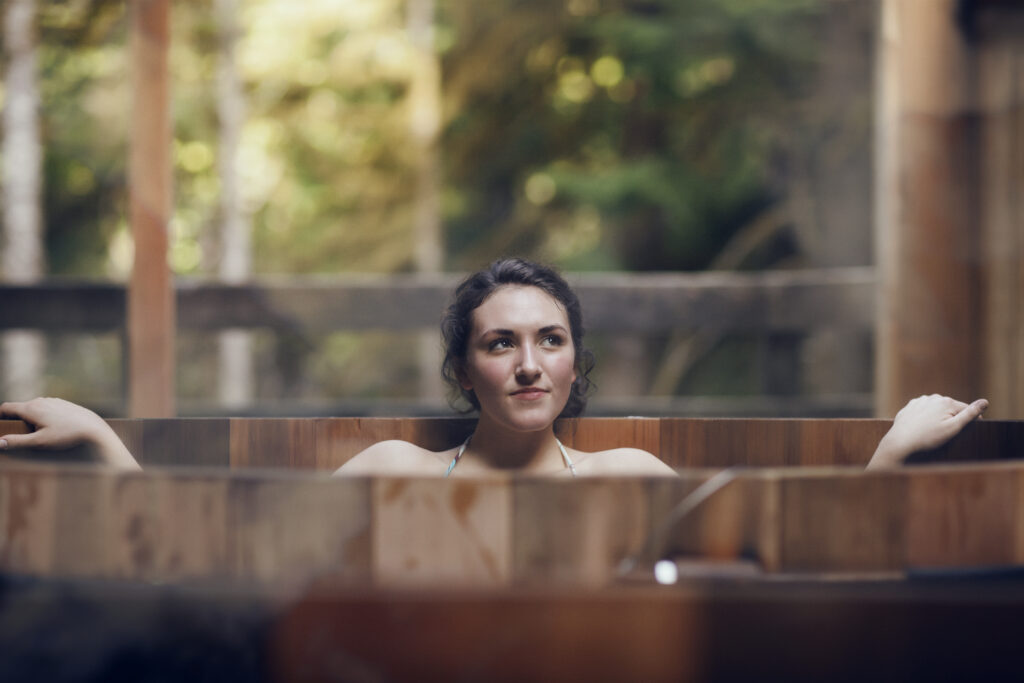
{"type": "Point", "coordinates": [925, 422]}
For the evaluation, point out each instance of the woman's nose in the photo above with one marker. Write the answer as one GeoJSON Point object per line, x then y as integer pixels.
{"type": "Point", "coordinates": [527, 367]}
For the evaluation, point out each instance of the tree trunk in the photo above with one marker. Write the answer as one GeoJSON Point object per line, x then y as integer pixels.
{"type": "Point", "coordinates": [24, 351]}
{"type": "Point", "coordinates": [235, 381]}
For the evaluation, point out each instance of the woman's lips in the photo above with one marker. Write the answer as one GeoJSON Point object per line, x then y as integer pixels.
{"type": "Point", "coordinates": [530, 394]}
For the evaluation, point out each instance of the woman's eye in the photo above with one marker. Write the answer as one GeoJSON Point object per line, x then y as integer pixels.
{"type": "Point", "coordinates": [497, 344]}
{"type": "Point", "coordinates": [552, 340]}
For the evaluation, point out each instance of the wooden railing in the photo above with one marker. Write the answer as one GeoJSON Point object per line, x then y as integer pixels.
{"type": "Point", "coordinates": [777, 307]}
{"type": "Point", "coordinates": [800, 300]}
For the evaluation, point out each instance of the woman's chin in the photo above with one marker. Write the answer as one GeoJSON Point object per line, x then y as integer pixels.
{"type": "Point", "coordinates": [528, 420]}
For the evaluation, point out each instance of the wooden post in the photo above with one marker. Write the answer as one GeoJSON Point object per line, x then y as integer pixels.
{"type": "Point", "coordinates": [1000, 32]}
{"type": "Point", "coordinates": [927, 241]}
{"type": "Point", "coordinates": [151, 315]}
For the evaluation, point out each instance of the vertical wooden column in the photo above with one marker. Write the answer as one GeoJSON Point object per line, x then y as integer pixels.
{"type": "Point", "coordinates": [151, 314]}
{"type": "Point", "coordinates": [929, 326]}
{"type": "Point", "coordinates": [1000, 31]}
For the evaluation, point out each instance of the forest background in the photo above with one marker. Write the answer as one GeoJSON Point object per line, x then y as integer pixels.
{"type": "Point", "coordinates": [392, 136]}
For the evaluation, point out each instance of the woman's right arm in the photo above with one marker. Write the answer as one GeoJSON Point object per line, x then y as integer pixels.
{"type": "Point", "coordinates": [63, 424]}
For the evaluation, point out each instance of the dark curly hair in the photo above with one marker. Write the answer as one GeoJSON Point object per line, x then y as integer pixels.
{"type": "Point", "coordinates": [474, 290]}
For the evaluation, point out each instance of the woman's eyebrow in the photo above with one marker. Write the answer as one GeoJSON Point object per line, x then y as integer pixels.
{"type": "Point", "coordinates": [509, 333]}
{"type": "Point", "coordinates": [497, 331]}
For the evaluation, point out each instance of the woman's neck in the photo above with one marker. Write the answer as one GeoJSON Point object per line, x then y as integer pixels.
{"type": "Point", "coordinates": [502, 448]}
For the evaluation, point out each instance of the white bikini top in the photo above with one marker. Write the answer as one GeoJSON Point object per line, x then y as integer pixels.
{"type": "Point", "coordinates": [462, 449]}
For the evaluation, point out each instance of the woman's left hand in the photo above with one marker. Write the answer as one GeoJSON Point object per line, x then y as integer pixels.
{"type": "Point", "coordinates": [925, 422]}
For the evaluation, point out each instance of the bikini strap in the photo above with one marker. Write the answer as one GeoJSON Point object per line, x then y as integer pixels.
{"type": "Point", "coordinates": [566, 458]}
{"type": "Point", "coordinates": [465, 444]}
{"type": "Point", "coordinates": [455, 460]}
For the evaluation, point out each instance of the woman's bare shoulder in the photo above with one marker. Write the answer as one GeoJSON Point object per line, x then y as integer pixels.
{"type": "Point", "coordinates": [395, 457]}
{"type": "Point", "coordinates": [622, 461]}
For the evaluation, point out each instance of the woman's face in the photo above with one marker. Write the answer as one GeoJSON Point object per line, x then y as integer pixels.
{"type": "Point", "coordinates": [520, 360]}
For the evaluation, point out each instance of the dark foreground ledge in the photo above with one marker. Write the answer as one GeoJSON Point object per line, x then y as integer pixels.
{"type": "Point", "coordinates": [944, 627]}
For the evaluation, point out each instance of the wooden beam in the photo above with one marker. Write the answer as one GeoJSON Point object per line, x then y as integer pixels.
{"type": "Point", "coordinates": [842, 298]}
{"type": "Point", "coordinates": [1000, 38]}
{"type": "Point", "coordinates": [929, 322]}
{"type": "Point", "coordinates": [151, 312]}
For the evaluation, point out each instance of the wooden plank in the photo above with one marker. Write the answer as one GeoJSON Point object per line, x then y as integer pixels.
{"type": "Point", "coordinates": [288, 530]}
{"type": "Point", "coordinates": [155, 526]}
{"type": "Point", "coordinates": [578, 531]}
{"type": "Point", "coordinates": [175, 442]}
{"type": "Point", "coordinates": [435, 531]}
{"type": "Point", "coordinates": [929, 278]}
{"type": "Point", "coordinates": [65, 305]}
{"type": "Point", "coordinates": [151, 315]}
{"type": "Point", "coordinates": [728, 442]}
{"type": "Point", "coordinates": [788, 300]}
{"type": "Point", "coordinates": [28, 516]}
{"type": "Point", "coordinates": [186, 442]}
{"type": "Point", "coordinates": [338, 440]}
{"type": "Point", "coordinates": [182, 526]}
{"type": "Point", "coordinates": [135, 527]}
{"type": "Point", "coordinates": [82, 522]}
{"type": "Point", "coordinates": [597, 434]}
{"type": "Point", "coordinates": [838, 442]}
{"type": "Point", "coordinates": [768, 442]}
{"type": "Point", "coordinates": [738, 522]}
{"type": "Point", "coordinates": [780, 300]}
{"type": "Point", "coordinates": [1001, 103]}
{"type": "Point", "coordinates": [955, 514]}
{"type": "Point", "coordinates": [268, 442]}
{"type": "Point", "coordinates": [194, 528]}
{"type": "Point", "coordinates": [843, 522]}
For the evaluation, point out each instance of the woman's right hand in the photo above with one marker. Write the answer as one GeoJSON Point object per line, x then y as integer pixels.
{"type": "Point", "coordinates": [63, 424]}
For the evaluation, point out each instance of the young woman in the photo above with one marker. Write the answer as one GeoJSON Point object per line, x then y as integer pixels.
{"type": "Point", "coordinates": [513, 340]}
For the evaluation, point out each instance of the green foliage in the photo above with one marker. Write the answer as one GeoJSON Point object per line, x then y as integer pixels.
{"type": "Point", "coordinates": [597, 134]}
{"type": "Point", "coordinates": [84, 118]}
{"type": "Point", "coordinates": [663, 117]}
